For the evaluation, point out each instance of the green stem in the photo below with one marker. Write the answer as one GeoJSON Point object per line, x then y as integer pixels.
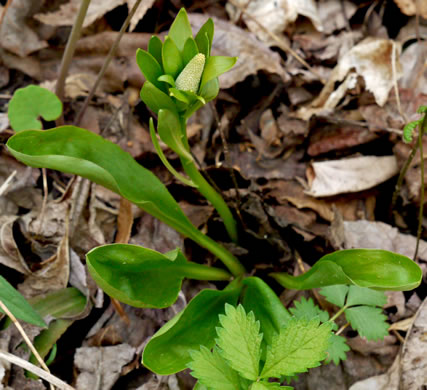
{"type": "Point", "coordinates": [69, 51]}
{"type": "Point", "coordinates": [337, 314]}
{"type": "Point", "coordinates": [421, 131]}
{"type": "Point", "coordinates": [202, 272]}
{"type": "Point", "coordinates": [209, 192]}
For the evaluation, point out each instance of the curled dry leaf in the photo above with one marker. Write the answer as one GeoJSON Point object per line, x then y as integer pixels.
{"type": "Point", "coordinates": [351, 175]}
{"type": "Point", "coordinates": [274, 15]}
{"type": "Point", "coordinates": [66, 14]}
{"type": "Point", "coordinates": [412, 7]}
{"type": "Point", "coordinates": [335, 14]}
{"type": "Point", "coordinates": [16, 35]}
{"type": "Point", "coordinates": [372, 59]}
{"type": "Point", "coordinates": [252, 54]}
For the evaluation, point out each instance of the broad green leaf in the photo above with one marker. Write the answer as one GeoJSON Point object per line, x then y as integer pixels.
{"type": "Point", "coordinates": [31, 102]}
{"type": "Point", "coordinates": [164, 160]}
{"type": "Point", "coordinates": [373, 268]}
{"type": "Point", "coordinates": [300, 345]}
{"type": "Point", "coordinates": [267, 307]}
{"type": "Point", "coordinates": [263, 385]}
{"type": "Point", "coordinates": [150, 68]}
{"type": "Point", "coordinates": [365, 296]}
{"type": "Point", "coordinates": [17, 304]}
{"type": "Point", "coordinates": [239, 341]}
{"type": "Point", "coordinates": [190, 50]}
{"type": "Point", "coordinates": [335, 294]}
{"type": "Point", "coordinates": [204, 37]}
{"type": "Point", "coordinates": [169, 129]}
{"type": "Point", "coordinates": [337, 349]}
{"type": "Point", "coordinates": [368, 321]}
{"type": "Point", "coordinates": [179, 95]}
{"type": "Point", "coordinates": [142, 277]}
{"type": "Point", "coordinates": [81, 152]}
{"type": "Point", "coordinates": [216, 66]}
{"type": "Point", "coordinates": [155, 99]}
{"type": "Point", "coordinates": [171, 57]}
{"type": "Point", "coordinates": [212, 370]}
{"type": "Point", "coordinates": [155, 48]}
{"type": "Point", "coordinates": [180, 29]}
{"type": "Point", "coordinates": [168, 351]}
{"type": "Point", "coordinates": [308, 310]}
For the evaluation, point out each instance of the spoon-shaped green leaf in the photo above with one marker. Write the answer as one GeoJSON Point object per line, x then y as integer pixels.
{"type": "Point", "coordinates": [142, 277]}
{"type": "Point", "coordinates": [374, 268]}
{"type": "Point", "coordinates": [29, 103]}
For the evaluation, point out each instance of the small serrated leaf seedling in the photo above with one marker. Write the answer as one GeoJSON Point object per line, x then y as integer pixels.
{"type": "Point", "coordinates": [225, 347]}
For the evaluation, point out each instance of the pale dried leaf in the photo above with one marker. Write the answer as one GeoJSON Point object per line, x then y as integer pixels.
{"type": "Point", "coordinates": [252, 54]}
{"type": "Point", "coordinates": [372, 60]}
{"type": "Point", "coordinates": [379, 235]}
{"type": "Point", "coordinates": [16, 35]}
{"type": "Point", "coordinates": [100, 367]}
{"type": "Point", "coordinates": [66, 15]}
{"type": "Point", "coordinates": [273, 15]}
{"type": "Point", "coordinates": [412, 7]}
{"type": "Point", "coordinates": [351, 175]}
{"type": "Point", "coordinates": [332, 15]}
{"type": "Point", "coordinates": [4, 121]}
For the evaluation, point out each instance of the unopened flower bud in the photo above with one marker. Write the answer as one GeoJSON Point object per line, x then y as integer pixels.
{"type": "Point", "coordinates": [189, 78]}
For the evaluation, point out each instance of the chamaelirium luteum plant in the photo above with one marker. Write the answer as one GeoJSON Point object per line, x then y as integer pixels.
{"type": "Point", "coordinates": [182, 76]}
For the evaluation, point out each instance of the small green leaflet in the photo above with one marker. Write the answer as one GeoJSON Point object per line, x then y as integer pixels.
{"type": "Point", "coordinates": [368, 321]}
{"type": "Point", "coordinates": [308, 310]}
{"type": "Point", "coordinates": [337, 349]}
{"type": "Point", "coordinates": [301, 344]}
{"type": "Point", "coordinates": [239, 341]}
{"type": "Point", "coordinates": [213, 371]}
{"type": "Point", "coordinates": [361, 308]}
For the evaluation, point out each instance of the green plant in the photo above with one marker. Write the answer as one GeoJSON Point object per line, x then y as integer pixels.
{"type": "Point", "coordinates": [178, 83]}
{"type": "Point", "coordinates": [407, 136]}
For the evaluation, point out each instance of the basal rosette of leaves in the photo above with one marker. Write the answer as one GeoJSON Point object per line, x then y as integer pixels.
{"type": "Point", "coordinates": [182, 76]}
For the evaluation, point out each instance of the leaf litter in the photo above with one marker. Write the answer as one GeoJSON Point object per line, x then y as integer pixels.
{"type": "Point", "coordinates": [315, 162]}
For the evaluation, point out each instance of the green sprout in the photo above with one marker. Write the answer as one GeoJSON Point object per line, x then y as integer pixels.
{"type": "Point", "coordinates": [182, 76]}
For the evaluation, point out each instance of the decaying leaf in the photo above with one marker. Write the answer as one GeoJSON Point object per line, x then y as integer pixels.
{"type": "Point", "coordinates": [412, 7]}
{"type": "Point", "coordinates": [100, 367]}
{"type": "Point", "coordinates": [67, 13]}
{"type": "Point", "coordinates": [274, 15]}
{"type": "Point", "coordinates": [252, 54]}
{"type": "Point", "coordinates": [351, 175]}
{"type": "Point", "coordinates": [335, 14]}
{"type": "Point", "coordinates": [16, 35]}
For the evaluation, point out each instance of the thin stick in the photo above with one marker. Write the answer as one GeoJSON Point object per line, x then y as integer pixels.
{"type": "Point", "coordinates": [25, 337]}
{"type": "Point", "coordinates": [106, 62]}
{"type": "Point", "coordinates": [396, 88]}
{"type": "Point", "coordinates": [44, 203]}
{"type": "Point", "coordinates": [69, 52]}
{"type": "Point", "coordinates": [280, 42]}
{"type": "Point", "coordinates": [5, 185]}
{"type": "Point", "coordinates": [340, 330]}
{"type": "Point", "coordinates": [53, 380]}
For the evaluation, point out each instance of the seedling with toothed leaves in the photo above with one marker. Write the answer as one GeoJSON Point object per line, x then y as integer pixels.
{"type": "Point", "coordinates": [181, 76]}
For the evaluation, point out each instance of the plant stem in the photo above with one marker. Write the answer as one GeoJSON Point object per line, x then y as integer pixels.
{"type": "Point", "coordinates": [212, 196]}
{"type": "Point", "coordinates": [69, 52]}
{"type": "Point", "coordinates": [421, 131]}
{"type": "Point", "coordinates": [203, 272]}
{"type": "Point", "coordinates": [337, 314]}
{"type": "Point", "coordinates": [107, 62]}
